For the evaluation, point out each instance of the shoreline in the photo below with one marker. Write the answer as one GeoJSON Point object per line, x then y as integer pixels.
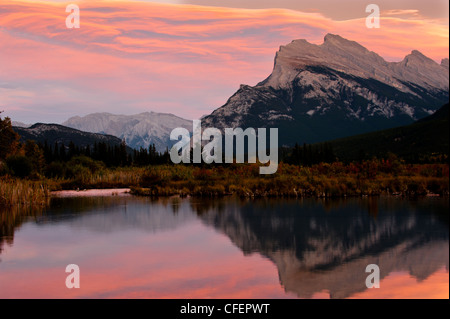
{"type": "Point", "coordinates": [147, 193]}
{"type": "Point", "coordinates": [337, 180]}
{"type": "Point", "coordinates": [150, 192]}
{"type": "Point", "coordinates": [99, 192]}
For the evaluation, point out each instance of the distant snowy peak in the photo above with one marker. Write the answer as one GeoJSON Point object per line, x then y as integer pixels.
{"type": "Point", "coordinates": [20, 124]}
{"type": "Point", "coordinates": [139, 130]}
{"type": "Point", "coordinates": [352, 58]}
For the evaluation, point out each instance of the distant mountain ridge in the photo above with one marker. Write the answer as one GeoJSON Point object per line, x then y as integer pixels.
{"type": "Point", "coordinates": [55, 133]}
{"type": "Point", "coordinates": [140, 130]}
{"type": "Point", "coordinates": [20, 124]}
{"type": "Point", "coordinates": [339, 88]}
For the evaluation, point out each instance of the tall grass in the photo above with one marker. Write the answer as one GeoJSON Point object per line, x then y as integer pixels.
{"type": "Point", "coordinates": [322, 180]}
{"type": "Point", "coordinates": [24, 193]}
{"type": "Point", "coordinates": [369, 178]}
{"type": "Point", "coordinates": [105, 178]}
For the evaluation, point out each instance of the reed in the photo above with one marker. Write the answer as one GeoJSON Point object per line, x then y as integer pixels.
{"type": "Point", "coordinates": [323, 180]}
{"type": "Point", "coordinates": [369, 178]}
{"type": "Point", "coordinates": [24, 193]}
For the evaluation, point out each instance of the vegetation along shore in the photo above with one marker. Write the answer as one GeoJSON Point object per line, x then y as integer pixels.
{"type": "Point", "coordinates": [30, 171]}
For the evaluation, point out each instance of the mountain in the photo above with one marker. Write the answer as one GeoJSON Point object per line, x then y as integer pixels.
{"type": "Point", "coordinates": [316, 252]}
{"type": "Point", "coordinates": [20, 124]}
{"type": "Point", "coordinates": [55, 133]}
{"type": "Point", "coordinates": [140, 130]}
{"type": "Point", "coordinates": [336, 89]}
{"type": "Point", "coordinates": [425, 137]}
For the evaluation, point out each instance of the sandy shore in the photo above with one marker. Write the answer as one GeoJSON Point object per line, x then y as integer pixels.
{"type": "Point", "coordinates": [92, 192]}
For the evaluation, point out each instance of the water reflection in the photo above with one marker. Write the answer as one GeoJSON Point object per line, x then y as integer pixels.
{"type": "Point", "coordinates": [316, 246]}
{"type": "Point", "coordinates": [11, 219]}
{"type": "Point", "coordinates": [324, 246]}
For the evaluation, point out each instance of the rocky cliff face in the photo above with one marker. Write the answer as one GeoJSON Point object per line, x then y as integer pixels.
{"type": "Point", "coordinates": [336, 89]}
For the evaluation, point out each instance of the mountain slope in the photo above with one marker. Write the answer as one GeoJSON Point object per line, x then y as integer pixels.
{"type": "Point", "coordinates": [140, 130]}
{"type": "Point", "coordinates": [55, 133]}
{"type": "Point", "coordinates": [336, 89]}
{"type": "Point", "coordinates": [427, 136]}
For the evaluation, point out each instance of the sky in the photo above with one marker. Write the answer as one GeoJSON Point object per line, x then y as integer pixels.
{"type": "Point", "coordinates": [184, 57]}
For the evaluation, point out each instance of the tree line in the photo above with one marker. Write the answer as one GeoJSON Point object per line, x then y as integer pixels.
{"type": "Point", "coordinates": [308, 154]}
{"type": "Point", "coordinates": [60, 160]}
{"type": "Point", "coordinates": [31, 158]}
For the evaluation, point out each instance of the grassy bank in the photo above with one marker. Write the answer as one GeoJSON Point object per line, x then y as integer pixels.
{"type": "Point", "coordinates": [369, 178]}
{"type": "Point", "coordinates": [322, 180]}
{"type": "Point", "coordinates": [23, 193]}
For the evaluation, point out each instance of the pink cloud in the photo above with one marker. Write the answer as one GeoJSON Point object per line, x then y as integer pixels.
{"type": "Point", "coordinates": [183, 59]}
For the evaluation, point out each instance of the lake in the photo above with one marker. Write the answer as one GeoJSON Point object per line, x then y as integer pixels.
{"type": "Point", "coordinates": [133, 247]}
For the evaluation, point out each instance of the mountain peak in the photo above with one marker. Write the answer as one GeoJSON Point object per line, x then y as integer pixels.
{"type": "Point", "coordinates": [338, 88]}
{"type": "Point", "coordinates": [340, 42]}
{"type": "Point", "coordinates": [418, 60]}
{"type": "Point", "coordinates": [332, 37]}
{"type": "Point", "coordinates": [417, 53]}
{"type": "Point", "coordinates": [335, 39]}
{"type": "Point", "coordinates": [419, 56]}
{"type": "Point", "coordinates": [352, 58]}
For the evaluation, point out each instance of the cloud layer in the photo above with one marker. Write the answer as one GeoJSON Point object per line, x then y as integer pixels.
{"type": "Point", "coordinates": [128, 57]}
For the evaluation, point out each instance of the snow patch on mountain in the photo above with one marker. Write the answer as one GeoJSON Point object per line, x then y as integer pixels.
{"type": "Point", "coordinates": [20, 124]}
{"type": "Point", "coordinates": [140, 130]}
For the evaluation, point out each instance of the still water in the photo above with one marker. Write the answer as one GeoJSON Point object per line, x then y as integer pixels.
{"type": "Point", "coordinates": [131, 247]}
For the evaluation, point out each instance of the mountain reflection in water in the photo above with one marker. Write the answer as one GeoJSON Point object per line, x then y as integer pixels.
{"type": "Point", "coordinates": [316, 246]}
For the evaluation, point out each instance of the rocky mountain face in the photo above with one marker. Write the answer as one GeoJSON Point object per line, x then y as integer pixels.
{"type": "Point", "coordinates": [336, 89]}
{"type": "Point", "coordinates": [140, 130]}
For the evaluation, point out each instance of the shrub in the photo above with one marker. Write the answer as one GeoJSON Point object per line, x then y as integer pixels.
{"type": "Point", "coordinates": [151, 177]}
{"type": "Point", "coordinates": [92, 165]}
{"type": "Point", "coordinates": [56, 169]}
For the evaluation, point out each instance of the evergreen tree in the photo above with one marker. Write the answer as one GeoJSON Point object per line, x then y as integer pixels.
{"type": "Point", "coordinates": [35, 155]}
{"type": "Point", "coordinates": [8, 138]}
